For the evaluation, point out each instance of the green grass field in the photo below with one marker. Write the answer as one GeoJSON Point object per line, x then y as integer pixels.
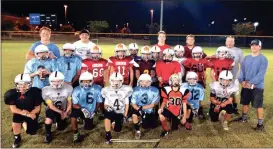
{"type": "Point", "coordinates": [204, 134]}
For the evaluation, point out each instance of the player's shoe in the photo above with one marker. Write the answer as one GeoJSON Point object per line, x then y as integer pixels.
{"type": "Point", "coordinates": [222, 116]}
{"type": "Point", "coordinates": [48, 138]}
{"type": "Point", "coordinates": [108, 139]}
{"type": "Point", "coordinates": [164, 134]}
{"type": "Point", "coordinates": [138, 135]}
{"type": "Point", "coordinates": [259, 127]}
{"type": "Point", "coordinates": [188, 126]}
{"type": "Point", "coordinates": [77, 138]}
{"type": "Point", "coordinates": [225, 125]}
{"type": "Point", "coordinates": [16, 143]}
{"type": "Point", "coordinates": [240, 119]}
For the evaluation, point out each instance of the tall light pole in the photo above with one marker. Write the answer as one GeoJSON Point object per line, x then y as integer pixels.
{"type": "Point", "coordinates": [65, 10]}
{"type": "Point", "coordinates": [161, 15]}
{"type": "Point", "coordinates": [255, 25]}
{"type": "Point", "coordinates": [152, 16]}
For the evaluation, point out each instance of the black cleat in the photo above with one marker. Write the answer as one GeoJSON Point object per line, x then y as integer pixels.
{"type": "Point", "coordinates": [164, 134]}
{"type": "Point", "coordinates": [259, 127]}
{"type": "Point", "coordinates": [48, 138]}
{"type": "Point", "coordinates": [16, 143]}
{"type": "Point", "coordinates": [239, 119]}
{"type": "Point", "coordinates": [77, 138]}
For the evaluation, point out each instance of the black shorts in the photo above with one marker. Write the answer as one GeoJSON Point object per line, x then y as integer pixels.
{"type": "Point", "coordinates": [32, 125]}
{"type": "Point", "coordinates": [56, 117]}
{"type": "Point", "coordinates": [174, 119]}
{"type": "Point", "coordinates": [88, 123]}
{"type": "Point", "coordinates": [149, 120]}
{"type": "Point", "coordinates": [115, 117]}
{"type": "Point", "coordinates": [214, 116]}
{"type": "Point", "coordinates": [254, 96]}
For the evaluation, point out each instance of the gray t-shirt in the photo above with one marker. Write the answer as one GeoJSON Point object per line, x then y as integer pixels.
{"type": "Point", "coordinates": [238, 57]}
{"type": "Point", "coordinates": [58, 97]}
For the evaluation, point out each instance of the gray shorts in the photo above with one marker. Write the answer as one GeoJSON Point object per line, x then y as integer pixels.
{"type": "Point", "coordinates": [254, 96]}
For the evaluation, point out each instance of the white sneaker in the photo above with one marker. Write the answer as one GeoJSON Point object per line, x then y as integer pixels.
{"type": "Point", "coordinates": [225, 125]}
{"type": "Point", "coordinates": [138, 135]}
{"type": "Point", "coordinates": [222, 116]}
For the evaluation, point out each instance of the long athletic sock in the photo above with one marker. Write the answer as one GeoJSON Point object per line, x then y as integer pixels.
{"type": "Point", "coordinates": [244, 116]}
{"type": "Point", "coordinates": [48, 128]}
{"type": "Point", "coordinates": [260, 121]}
{"type": "Point", "coordinates": [164, 125]}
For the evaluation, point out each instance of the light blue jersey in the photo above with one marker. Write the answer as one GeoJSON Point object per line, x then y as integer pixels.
{"type": "Point", "coordinates": [197, 94]}
{"type": "Point", "coordinates": [87, 98]}
{"type": "Point", "coordinates": [145, 96]}
{"type": "Point", "coordinates": [52, 47]}
{"type": "Point", "coordinates": [34, 64]}
{"type": "Point", "coordinates": [69, 66]}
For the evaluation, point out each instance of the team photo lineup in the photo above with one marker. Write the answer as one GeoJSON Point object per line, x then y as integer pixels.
{"type": "Point", "coordinates": [142, 86]}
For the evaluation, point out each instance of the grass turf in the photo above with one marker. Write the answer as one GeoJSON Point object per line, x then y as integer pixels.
{"type": "Point", "coordinates": [204, 134]}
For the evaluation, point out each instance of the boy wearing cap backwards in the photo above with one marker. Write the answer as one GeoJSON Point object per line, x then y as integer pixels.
{"type": "Point", "coordinates": [69, 64]}
{"type": "Point", "coordinates": [252, 75]}
{"type": "Point", "coordinates": [83, 46]}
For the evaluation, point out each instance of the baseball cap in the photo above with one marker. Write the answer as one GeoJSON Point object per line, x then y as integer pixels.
{"type": "Point", "coordinates": [84, 31]}
{"type": "Point", "coordinates": [256, 42]}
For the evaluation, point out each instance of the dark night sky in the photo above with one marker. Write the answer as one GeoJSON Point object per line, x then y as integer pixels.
{"type": "Point", "coordinates": [194, 15]}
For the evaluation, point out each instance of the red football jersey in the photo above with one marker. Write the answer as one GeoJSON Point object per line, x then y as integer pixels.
{"type": "Point", "coordinates": [145, 67]}
{"type": "Point", "coordinates": [219, 65]}
{"type": "Point", "coordinates": [122, 66]}
{"type": "Point", "coordinates": [162, 48]}
{"type": "Point", "coordinates": [199, 67]}
{"type": "Point", "coordinates": [165, 70]}
{"type": "Point", "coordinates": [174, 99]}
{"type": "Point", "coordinates": [188, 54]}
{"type": "Point", "coordinates": [96, 67]}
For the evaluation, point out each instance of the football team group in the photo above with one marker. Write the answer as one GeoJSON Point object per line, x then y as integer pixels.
{"type": "Point", "coordinates": [161, 85]}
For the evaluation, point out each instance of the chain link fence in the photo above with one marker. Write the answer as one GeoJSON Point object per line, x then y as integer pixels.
{"type": "Point", "coordinates": [149, 39]}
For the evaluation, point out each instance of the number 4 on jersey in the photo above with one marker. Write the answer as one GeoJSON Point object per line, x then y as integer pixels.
{"type": "Point", "coordinates": [116, 104]}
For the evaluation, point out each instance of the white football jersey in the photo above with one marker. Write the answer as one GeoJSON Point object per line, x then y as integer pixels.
{"type": "Point", "coordinates": [223, 94]}
{"type": "Point", "coordinates": [117, 98]}
{"type": "Point", "coordinates": [58, 96]}
{"type": "Point", "coordinates": [83, 49]}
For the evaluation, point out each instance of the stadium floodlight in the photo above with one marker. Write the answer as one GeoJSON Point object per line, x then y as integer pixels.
{"type": "Point", "coordinates": [212, 22]}
{"type": "Point", "coordinates": [255, 25]}
{"type": "Point", "coordinates": [152, 16]}
{"type": "Point", "coordinates": [235, 20]}
{"type": "Point", "coordinates": [65, 10]}
{"type": "Point", "coordinates": [61, 25]}
{"type": "Point", "coordinates": [244, 18]}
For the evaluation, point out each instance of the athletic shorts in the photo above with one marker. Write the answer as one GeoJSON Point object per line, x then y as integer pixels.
{"type": "Point", "coordinates": [149, 120]}
{"type": "Point", "coordinates": [254, 96]}
{"type": "Point", "coordinates": [32, 125]}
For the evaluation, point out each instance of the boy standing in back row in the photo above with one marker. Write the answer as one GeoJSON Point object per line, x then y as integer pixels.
{"type": "Point", "coordinates": [251, 77]}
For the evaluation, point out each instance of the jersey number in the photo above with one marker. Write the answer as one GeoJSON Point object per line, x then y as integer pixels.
{"type": "Point", "coordinates": [116, 104]}
{"type": "Point", "coordinates": [175, 101]}
{"type": "Point", "coordinates": [89, 98]}
{"type": "Point", "coordinates": [195, 94]}
{"type": "Point", "coordinates": [98, 72]}
{"type": "Point", "coordinates": [121, 70]}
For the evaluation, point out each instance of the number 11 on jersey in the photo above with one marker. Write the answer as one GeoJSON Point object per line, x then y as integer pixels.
{"type": "Point", "coordinates": [121, 70]}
